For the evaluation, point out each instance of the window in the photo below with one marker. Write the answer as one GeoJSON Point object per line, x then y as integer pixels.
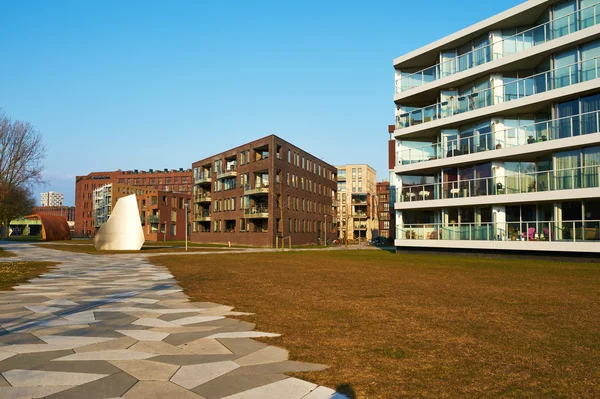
{"type": "Point", "coordinates": [354, 173]}
{"type": "Point", "coordinates": [289, 156]}
{"type": "Point", "coordinates": [360, 173]}
{"type": "Point", "coordinates": [173, 229]}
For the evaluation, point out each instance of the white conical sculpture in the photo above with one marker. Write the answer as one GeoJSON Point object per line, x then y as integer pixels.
{"type": "Point", "coordinates": [123, 230]}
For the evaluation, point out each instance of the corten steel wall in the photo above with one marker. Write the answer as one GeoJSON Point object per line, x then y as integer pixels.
{"type": "Point", "coordinates": [174, 180]}
{"type": "Point", "coordinates": [66, 212]}
{"type": "Point", "coordinates": [272, 165]}
{"type": "Point", "coordinates": [53, 227]}
{"type": "Point", "coordinates": [164, 210]}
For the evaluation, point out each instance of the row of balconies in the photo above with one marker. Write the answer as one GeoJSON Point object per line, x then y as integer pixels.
{"type": "Point", "coordinates": [534, 36]}
{"type": "Point", "coordinates": [536, 84]}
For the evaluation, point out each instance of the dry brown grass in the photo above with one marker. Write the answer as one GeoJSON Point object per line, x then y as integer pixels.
{"type": "Point", "coordinates": [89, 249]}
{"type": "Point", "coordinates": [13, 273]}
{"type": "Point", "coordinates": [430, 326]}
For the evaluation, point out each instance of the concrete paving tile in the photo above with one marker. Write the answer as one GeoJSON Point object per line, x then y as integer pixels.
{"type": "Point", "coordinates": [88, 366]}
{"type": "Point", "coordinates": [60, 302]}
{"type": "Point", "coordinates": [184, 338]}
{"type": "Point", "coordinates": [26, 378]}
{"type": "Point", "coordinates": [146, 369]}
{"type": "Point", "coordinates": [35, 348]}
{"type": "Point", "coordinates": [72, 342]}
{"type": "Point", "coordinates": [29, 392]}
{"type": "Point", "coordinates": [31, 360]}
{"type": "Point", "coordinates": [19, 338]}
{"type": "Point", "coordinates": [324, 393]}
{"type": "Point", "coordinates": [206, 346]}
{"type": "Point", "coordinates": [57, 330]}
{"type": "Point", "coordinates": [290, 388]}
{"type": "Point", "coordinates": [239, 326]}
{"type": "Point", "coordinates": [176, 316]}
{"type": "Point", "coordinates": [117, 354]}
{"type": "Point", "coordinates": [229, 385]}
{"type": "Point", "coordinates": [42, 309]}
{"type": "Point", "coordinates": [117, 343]}
{"type": "Point", "coordinates": [205, 305]}
{"type": "Point", "coordinates": [114, 385]}
{"type": "Point", "coordinates": [242, 346]}
{"type": "Point", "coordinates": [93, 331]}
{"type": "Point", "coordinates": [182, 329]}
{"type": "Point", "coordinates": [225, 322]}
{"type": "Point", "coordinates": [158, 348]}
{"type": "Point", "coordinates": [186, 360]}
{"type": "Point", "coordinates": [3, 382]}
{"type": "Point", "coordinates": [144, 335]}
{"type": "Point", "coordinates": [270, 354]}
{"type": "Point", "coordinates": [243, 334]}
{"type": "Point", "coordinates": [217, 310]}
{"type": "Point", "coordinates": [150, 322]}
{"type": "Point", "coordinates": [191, 376]}
{"type": "Point", "coordinates": [195, 319]}
{"type": "Point", "coordinates": [138, 300]}
{"type": "Point", "coordinates": [159, 390]}
{"type": "Point", "coordinates": [279, 368]}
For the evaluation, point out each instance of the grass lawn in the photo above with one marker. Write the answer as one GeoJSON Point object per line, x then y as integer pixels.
{"type": "Point", "coordinates": [13, 273]}
{"type": "Point", "coordinates": [147, 248]}
{"type": "Point", "coordinates": [430, 326]}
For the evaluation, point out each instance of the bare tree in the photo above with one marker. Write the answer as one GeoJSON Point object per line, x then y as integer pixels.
{"type": "Point", "coordinates": [17, 204]}
{"type": "Point", "coordinates": [21, 154]}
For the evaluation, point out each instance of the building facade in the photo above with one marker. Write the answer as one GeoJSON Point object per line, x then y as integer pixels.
{"type": "Point", "coordinates": [66, 212]}
{"type": "Point", "coordinates": [163, 215]}
{"type": "Point", "coordinates": [497, 136]}
{"type": "Point", "coordinates": [177, 181]}
{"type": "Point", "coordinates": [385, 211]}
{"type": "Point", "coordinates": [52, 198]}
{"type": "Point", "coordinates": [357, 202]}
{"type": "Point", "coordinates": [254, 193]}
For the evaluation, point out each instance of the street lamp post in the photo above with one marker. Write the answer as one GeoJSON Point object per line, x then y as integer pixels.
{"type": "Point", "coordinates": [325, 229]}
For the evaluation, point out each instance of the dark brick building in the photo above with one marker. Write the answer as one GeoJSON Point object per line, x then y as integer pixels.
{"type": "Point", "coordinates": [385, 211]}
{"type": "Point", "coordinates": [237, 195]}
{"type": "Point", "coordinates": [67, 212]}
{"type": "Point", "coordinates": [179, 181]}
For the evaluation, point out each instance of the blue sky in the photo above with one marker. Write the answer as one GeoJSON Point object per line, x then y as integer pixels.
{"type": "Point", "coordinates": [149, 84]}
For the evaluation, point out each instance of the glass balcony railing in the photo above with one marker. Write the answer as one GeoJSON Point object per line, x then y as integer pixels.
{"type": "Point", "coordinates": [552, 180]}
{"type": "Point", "coordinates": [554, 129]}
{"type": "Point", "coordinates": [537, 35]}
{"type": "Point", "coordinates": [524, 87]}
{"type": "Point", "coordinates": [571, 231]}
{"type": "Point", "coordinates": [153, 219]}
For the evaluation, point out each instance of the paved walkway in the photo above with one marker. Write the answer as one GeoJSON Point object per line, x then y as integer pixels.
{"type": "Point", "coordinates": [118, 326]}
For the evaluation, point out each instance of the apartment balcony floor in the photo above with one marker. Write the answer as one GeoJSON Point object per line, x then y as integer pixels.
{"type": "Point", "coordinates": [507, 245]}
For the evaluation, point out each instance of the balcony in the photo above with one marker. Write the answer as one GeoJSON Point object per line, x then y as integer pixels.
{"type": "Point", "coordinates": [202, 217]}
{"type": "Point", "coordinates": [153, 219]}
{"type": "Point", "coordinates": [535, 36]}
{"type": "Point", "coordinates": [202, 198]}
{"type": "Point", "coordinates": [359, 215]}
{"type": "Point", "coordinates": [566, 76]}
{"type": "Point", "coordinates": [256, 189]}
{"type": "Point", "coordinates": [564, 231]}
{"type": "Point", "coordinates": [202, 179]}
{"type": "Point", "coordinates": [572, 126]}
{"type": "Point", "coordinates": [257, 212]}
{"type": "Point", "coordinates": [229, 172]}
{"type": "Point", "coordinates": [518, 183]}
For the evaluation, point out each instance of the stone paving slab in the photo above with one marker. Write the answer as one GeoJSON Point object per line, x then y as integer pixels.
{"type": "Point", "coordinates": [117, 326]}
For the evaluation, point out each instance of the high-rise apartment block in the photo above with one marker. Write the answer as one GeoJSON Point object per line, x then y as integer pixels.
{"type": "Point", "coordinates": [52, 198]}
{"type": "Point", "coordinates": [175, 181]}
{"type": "Point", "coordinates": [357, 202]}
{"type": "Point", "coordinates": [262, 190]}
{"type": "Point", "coordinates": [497, 136]}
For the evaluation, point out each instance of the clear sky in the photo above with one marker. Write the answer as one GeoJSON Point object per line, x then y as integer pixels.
{"type": "Point", "coordinates": [161, 84]}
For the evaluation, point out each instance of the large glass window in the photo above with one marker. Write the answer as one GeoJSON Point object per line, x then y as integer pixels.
{"type": "Point", "coordinates": [566, 69]}
{"type": "Point", "coordinates": [591, 166]}
{"type": "Point", "coordinates": [567, 127]}
{"type": "Point", "coordinates": [567, 176]}
{"type": "Point", "coordinates": [590, 118]}
{"type": "Point", "coordinates": [564, 21]}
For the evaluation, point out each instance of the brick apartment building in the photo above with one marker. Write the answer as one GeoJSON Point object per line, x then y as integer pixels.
{"type": "Point", "coordinates": [162, 213]}
{"type": "Point", "coordinates": [237, 195]}
{"type": "Point", "coordinates": [385, 210]}
{"type": "Point", "coordinates": [67, 212]}
{"type": "Point", "coordinates": [179, 181]}
{"type": "Point", "coordinates": [357, 202]}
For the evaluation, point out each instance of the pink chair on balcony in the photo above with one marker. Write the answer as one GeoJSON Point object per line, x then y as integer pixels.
{"type": "Point", "coordinates": [530, 236]}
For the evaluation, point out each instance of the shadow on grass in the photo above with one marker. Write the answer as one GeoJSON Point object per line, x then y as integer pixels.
{"type": "Point", "coordinates": [346, 389]}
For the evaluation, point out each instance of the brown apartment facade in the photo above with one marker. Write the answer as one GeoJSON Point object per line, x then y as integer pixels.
{"type": "Point", "coordinates": [385, 211]}
{"type": "Point", "coordinates": [177, 181]}
{"type": "Point", "coordinates": [265, 189]}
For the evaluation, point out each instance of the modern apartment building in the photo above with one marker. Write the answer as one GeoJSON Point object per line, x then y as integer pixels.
{"type": "Point", "coordinates": [261, 190]}
{"type": "Point", "coordinates": [498, 133]}
{"type": "Point", "coordinates": [176, 181]}
{"type": "Point", "coordinates": [385, 211]}
{"type": "Point", "coordinates": [357, 202]}
{"type": "Point", "coordinates": [105, 198]}
{"type": "Point", "coordinates": [52, 198]}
